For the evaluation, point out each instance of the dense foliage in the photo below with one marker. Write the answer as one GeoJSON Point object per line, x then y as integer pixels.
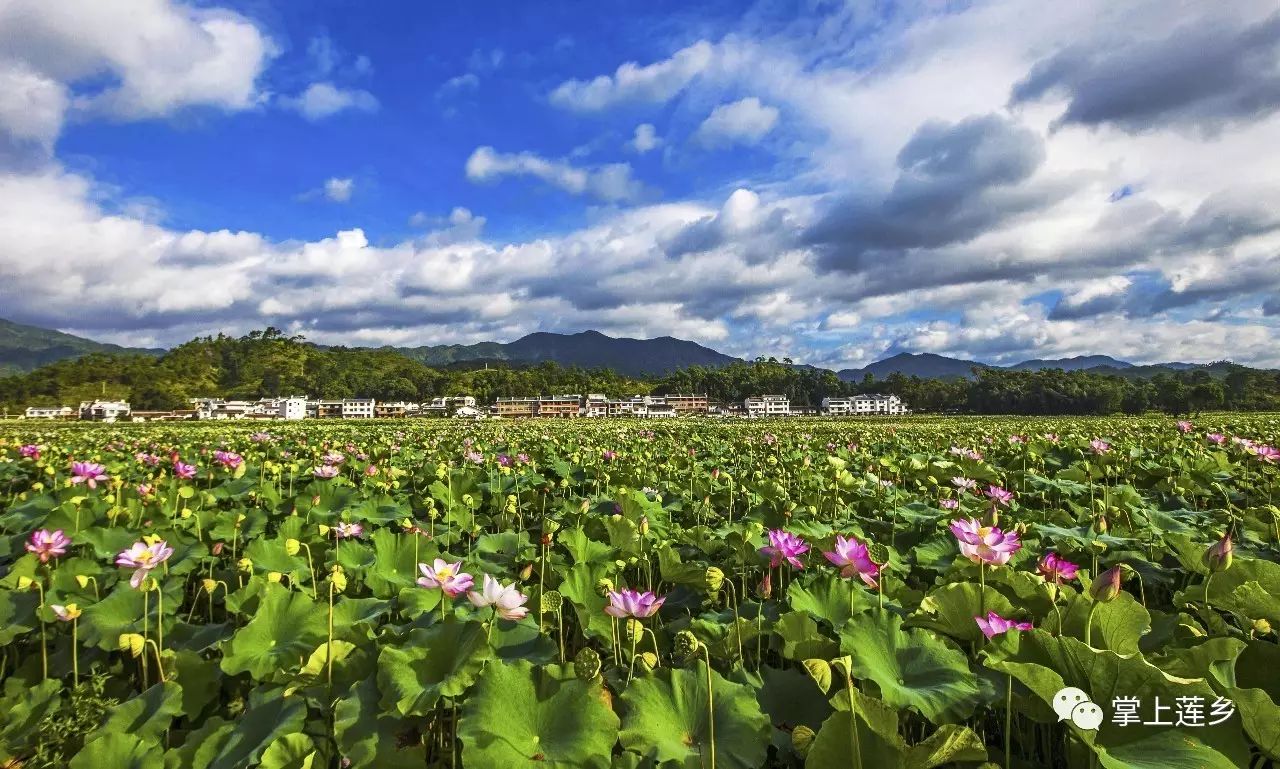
{"type": "Point", "coordinates": [268, 363]}
{"type": "Point", "coordinates": [806, 593]}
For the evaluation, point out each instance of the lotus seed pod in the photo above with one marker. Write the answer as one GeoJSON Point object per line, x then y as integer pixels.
{"type": "Point", "coordinates": [1261, 627]}
{"type": "Point", "coordinates": [245, 565]}
{"type": "Point", "coordinates": [802, 739]}
{"type": "Point", "coordinates": [209, 585]}
{"type": "Point", "coordinates": [552, 601]}
{"type": "Point", "coordinates": [274, 576]}
{"type": "Point", "coordinates": [715, 579]}
{"type": "Point", "coordinates": [633, 629]}
{"type": "Point", "coordinates": [820, 672]}
{"type": "Point", "coordinates": [526, 572]}
{"type": "Point", "coordinates": [878, 553]}
{"type": "Point", "coordinates": [586, 665]}
{"type": "Point", "coordinates": [604, 586]}
{"type": "Point", "coordinates": [647, 662]}
{"type": "Point", "coordinates": [686, 644]}
{"type": "Point", "coordinates": [292, 546]}
{"type": "Point", "coordinates": [82, 581]}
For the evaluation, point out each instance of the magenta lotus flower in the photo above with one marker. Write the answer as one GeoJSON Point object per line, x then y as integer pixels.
{"type": "Point", "coordinates": [784, 546]}
{"type": "Point", "coordinates": [609, 455]}
{"type": "Point", "coordinates": [1184, 426]}
{"type": "Point", "coordinates": [1057, 569]}
{"type": "Point", "coordinates": [993, 625]}
{"type": "Point", "coordinates": [633, 603]}
{"type": "Point", "coordinates": [48, 544]}
{"type": "Point", "coordinates": [446, 577]}
{"type": "Point", "coordinates": [29, 451]}
{"type": "Point", "coordinates": [999, 495]}
{"type": "Point", "coordinates": [228, 459]}
{"type": "Point", "coordinates": [143, 558]}
{"type": "Point", "coordinates": [504, 460]}
{"type": "Point", "coordinates": [1099, 446]}
{"type": "Point", "coordinates": [88, 473]}
{"type": "Point", "coordinates": [949, 504]}
{"type": "Point", "coordinates": [853, 559]}
{"type": "Point", "coordinates": [183, 470]}
{"type": "Point", "coordinates": [1216, 438]}
{"type": "Point", "coordinates": [985, 544]}
{"type": "Point", "coordinates": [507, 601]}
{"type": "Point", "coordinates": [348, 530]}
{"type": "Point", "coordinates": [325, 471]}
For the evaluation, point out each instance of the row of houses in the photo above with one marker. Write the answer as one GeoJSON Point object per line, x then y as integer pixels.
{"type": "Point", "coordinates": [567, 406]}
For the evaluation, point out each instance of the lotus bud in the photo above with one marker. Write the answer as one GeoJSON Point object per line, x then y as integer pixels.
{"type": "Point", "coordinates": [586, 665]}
{"type": "Point", "coordinates": [604, 585]}
{"type": "Point", "coordinates": [217, 548]}
{"type": "Point", "coordinates": [644, 525]}
{"type": "Point", "coordinates": [1218, 556]}
{"type": "Point", "coordinates": [1101, 525]}
{"type": "Point", "coordinates": [551, 601]}
{"type": "Point", "coordinates": [315, 500]}
{"type": "Point", "coordinates": [1106, 587]}
{"type": "Point", "coordinates": [715, 579]}
{"type": "Point", "coordinates": [802, 739]}
{"type": "Point", "coordinates": [585, 506]}
{"type": "Point", "coordinates": [765, 588]}
{"type": "Point", "coordinates": [526, 572]}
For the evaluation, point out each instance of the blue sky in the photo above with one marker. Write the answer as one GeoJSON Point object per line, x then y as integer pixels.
{"type": "Point", "coordinates": [830, 181]}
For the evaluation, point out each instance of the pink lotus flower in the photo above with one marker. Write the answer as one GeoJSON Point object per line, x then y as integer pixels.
{"type": "Point", "coordinates": [632, 603]}
{"type": "Point", "coordinates": [65, 613]}
{"type": "Point", "coordinates": [145, 489]}
{"type": "Point", "coordinates": [1268, 454]}
{"type": "Point", "coordinates": [964, 484]}
{"type": "Point", "coordinates": [1216, 438]}
{"type": "Point", "coordinates": [985, 544]}
{"type": "Point", "coordinates": [993, 625]}
{"type": "Point", "coordinates": [88, 473]}
{"type": "Point", "coordinates": [966, 453]}
{"type": "Point", "coordinates": [1099, 446]}
{"type": "Point", "coordinates": [183, 470]}
{"type": "Point", "coordinates": [47, 544]}
{"type": "Point", "coordinates": [370, 470]}
{"type": "Point", "coordinates": [325, 471]}
{"type": "Point", "coordinates": [504, 460]}
{"type": "Point", "coordinates": [348, 530]}
{"type": "Point", "coordinates": [507, 601]}
{"type": "Point", "coordinates": [1051, 437]}
{"type": "Point", "coordinates": [522, 458]}
{"type": "Point", "coordinates": [852, 556]}
{"type": "Point", "coordinates": [1015, 439]}
{"type": "Point", "coordinates": [29, 451]}
{"type": "Point", "coordinates": [150, 460]}
{"type": "Point", "coordinates": [1184, 426]}
{"type": "Point", "coordinates": [999, 495]}
{"type": "Point", "coordinates": [260, 437]}
{"type": "Point", "coordinates": [609, 455]}
{"type": "Point", "coordinates": [474, 457]}
{"type": "Point", "coordinates": [333, 458]}
{"type": "Point", "coordinates": [228, 459]}
{"type": "Point", "coordinates": [784, 546]}
{"type": "Point", "coordinates": [143, 558]}
{"type": "Point", "coordinates": [949, 504]}
{"type": "Point", "coordinates": [446, 577]}
{"type": "Point", "coordinates": [1056, 568]}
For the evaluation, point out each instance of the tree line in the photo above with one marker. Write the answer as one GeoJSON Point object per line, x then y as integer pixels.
{"type": "Point", "coordinates": [270, 363]}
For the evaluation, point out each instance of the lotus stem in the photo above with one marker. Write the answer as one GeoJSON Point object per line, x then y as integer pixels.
{"type": "Point", "coordinates": [855, 742]}
{"type": "Point", "coordinates": [635, 639]}
{"type": "Point", "coordinates": [75, 651]}
{"type": "Point", "coordinates": [1088, 626]}
{"type": "Point", "coordinates": [44, 645]}
{"type": "Point", "coordinates": [711, 708]}
{"type": "Point", "coordinates": [159, 662]}
{"type": "Point", "coordinates": [1008, 722]}
{"type": "Point", "coordinates": [1208, 606]}
{"type": "Point", "coordinates": [733, 594]}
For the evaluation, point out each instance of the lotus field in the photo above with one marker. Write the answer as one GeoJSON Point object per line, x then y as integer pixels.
{"type": "Point", "coordinates": [692, 593]}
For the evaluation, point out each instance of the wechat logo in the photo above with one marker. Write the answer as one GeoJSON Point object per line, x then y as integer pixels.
{"type": "Point", "coordinates": [1072, 704]}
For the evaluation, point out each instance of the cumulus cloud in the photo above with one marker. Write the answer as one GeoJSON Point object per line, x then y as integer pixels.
{"type": "Point", "coordinates": [633, 82]}
{"type": "Point", "coordinates": [611, 182]}
{"type": "Point", "coordinates": [169, 56]}
{"type": "Point", "coordinates": [321, 100]}
{"type": "Point", "coordinates": [339, 190]}
{"type": "Point", "coordinates": [645, 139]}
{"type": "Point", "coordinates": [746, 121]}
{"type": "Point", "coordinates": [1208, 72]}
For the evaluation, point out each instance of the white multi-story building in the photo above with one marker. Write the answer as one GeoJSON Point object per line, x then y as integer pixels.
{"type": "Point", "coordinates": [595, 405]}
{"type": "Point", "coordinates": [767, 406]}
{"type": "Point", "coordinates": [104, 411]}
{"type": "Point", "coordinates": [357, 408]}
{"type": "Point", "coordinates": [292, 408]}
{"type": "Point", "coordinates": [48, 412]}
{"type": "Point", "coordinates": [217, 408]}
{"type": "Point", "coordinates": [864, 405]}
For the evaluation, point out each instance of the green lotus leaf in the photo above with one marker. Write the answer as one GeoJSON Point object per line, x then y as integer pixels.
{"type": "Point", "coordinates": [1045, 664]}
{"type": "Point", "coordinates": [579, 587]}
{"type": "Point", "coordinates": [828, 597]}
{"type": "Point", "coordinates": [950, 744]}
{"type": "Point", "coordinates": [584, 549]}
{"type": "Point", "coordinates": [520, 715]}
{"type": "Point", "coordinates": [395, 564]}
{"type": "Point", "coordinates": [665, 718]}
{"type": "Point", "coordinates": [1118, 625]}
{"type": "Point", "coordinates": [1256, 694]}
{"type": "Point", "coordinates": [879, 743]}
{"type": "Point", "coordinates": [950, 609]}
{"type": "Point", "coordinates": [221, 744]}
{"type": "Point", "coordinates": [286, 627]}
{"type": "Point", "coordinates": [802, 639]}
{"type": "Point", "coordinates": [17, 614]}
{"type": "Point", "coordinates": [353, 618]}
{"type": "Point", "coordinates": [148, 715]}
{"type": "Point", "coordinates": [23, 706]}
{"type": "Point", "coordinates": [433, 662]}
{"type": "Point", "coordinates": [790, 699]}
{"type": "Point", "coordinates": [292, 751]}
{"type": "Point", "coordinates": [201, 679]}
{"type": "Point", "coordinates": [270, 555]}
{"type": "Point", "coordinates": [368, 736]}
{"type": "Point", "coordinates": [120, 611]}
{"type": "Point", "coordinates": [119, 750]}
{"type": "Point", "coordinates": [912, 668]}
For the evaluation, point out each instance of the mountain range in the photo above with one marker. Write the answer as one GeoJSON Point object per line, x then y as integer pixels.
{"type": "Point", "coordinates": [23, 348]}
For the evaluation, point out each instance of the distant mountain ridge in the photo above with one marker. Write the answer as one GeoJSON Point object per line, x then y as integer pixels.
{"type": "Point", "coordinates": [23, 348]}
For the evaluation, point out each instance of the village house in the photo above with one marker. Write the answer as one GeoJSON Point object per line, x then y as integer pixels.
{"type": "Point", "coordinates": [864, 405]}
{"type": "Point", "coordinates": [514, 407]}
{"type": "Point", "coordinates": [103, 411]}
{"type": "Point", "coordinates": [767, 406]}
{"type": "Point", "coordinates": [559, 406]}
{"type": "Point", "coordinates": [48, 412]}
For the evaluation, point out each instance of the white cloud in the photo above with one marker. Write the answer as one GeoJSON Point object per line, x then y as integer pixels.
{"type": "Point", "coordinates": [168, 56]}
{"type": "Point", "coordinates": [745, 121]}
{"type": "Point", "coordinates": [321, 100]}
{"type": "Point", "coordinates": [339, 190]}
{"type": "Point", "coordinates": [611, 182]}
{"type": "Point", "coordinates": [645, 139]}
{"type": "Point", "coordinates": [655, 82]}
